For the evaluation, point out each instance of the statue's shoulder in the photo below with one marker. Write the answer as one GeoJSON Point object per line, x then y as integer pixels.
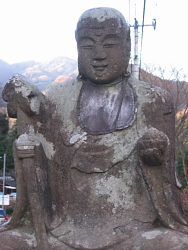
{"type": "Point", "coordinates": [64, 90]}
{"type": "Point", "coordinates": [150, 91]}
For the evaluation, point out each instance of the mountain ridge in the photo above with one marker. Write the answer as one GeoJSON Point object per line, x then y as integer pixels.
{"type": "Point", "coordinates": [40, 74]}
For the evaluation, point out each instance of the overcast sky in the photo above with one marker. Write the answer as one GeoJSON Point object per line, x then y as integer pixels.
{"type": "Point", "coordinates": [43, 29]}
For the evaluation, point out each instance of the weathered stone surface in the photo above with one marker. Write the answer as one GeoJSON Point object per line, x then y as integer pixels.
{"type": "Point", "coordinates": [83, 184]}
{"type": "Point", "coordinates": [114, 109]}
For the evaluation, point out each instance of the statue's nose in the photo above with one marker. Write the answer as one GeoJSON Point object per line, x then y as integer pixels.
{"type": "Point", "coordinates": [99, 53]}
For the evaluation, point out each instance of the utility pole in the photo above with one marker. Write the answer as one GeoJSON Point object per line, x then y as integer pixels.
{"type": "Point", "coordinates": [136, 61]}
{"type": "Point", "coordinates": [4, 165]}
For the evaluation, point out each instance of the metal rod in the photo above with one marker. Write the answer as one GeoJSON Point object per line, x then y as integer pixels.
{"type": "Point", "coordinates": [136, 64]}
{"type": "Point", "coordinates": [4, 165]}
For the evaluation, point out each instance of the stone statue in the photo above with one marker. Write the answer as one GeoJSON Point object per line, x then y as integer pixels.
{"type": "Point", "coordinates": [95, 156]}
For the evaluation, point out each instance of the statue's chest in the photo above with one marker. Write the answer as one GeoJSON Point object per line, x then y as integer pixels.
{"type": "Point", "coordinates": [92, 156]}
{"type": "Point", "coordinates": [99, 125]}
{"type": "Point", "coordinates": [99, 153]}
{"type": "Point", "coordinates": [105, 109]}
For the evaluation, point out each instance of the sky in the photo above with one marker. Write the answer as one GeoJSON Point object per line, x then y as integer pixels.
{"type": "Point", "coordinates": [41, 30]}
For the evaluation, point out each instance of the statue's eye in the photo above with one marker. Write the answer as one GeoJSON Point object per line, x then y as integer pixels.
{"type": "Point", "coordinates": [111, 41]}
{"type": "Point", "coordinates": [86, 44]}
{"type": "Point", "coordinates": [109, 45]}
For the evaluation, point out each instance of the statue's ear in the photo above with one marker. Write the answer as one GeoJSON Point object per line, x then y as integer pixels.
{"type": "Point", "coordinates": [76, 37]}
{"type": "Point", "coordinates": [81, 74]}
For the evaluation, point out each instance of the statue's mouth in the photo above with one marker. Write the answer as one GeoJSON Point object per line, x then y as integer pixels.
{"type": "Point", "coordinates": [100, 67]}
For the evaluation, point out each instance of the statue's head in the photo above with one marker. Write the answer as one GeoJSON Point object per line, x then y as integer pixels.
{"type": "Point", "coordinates": [103, 41]}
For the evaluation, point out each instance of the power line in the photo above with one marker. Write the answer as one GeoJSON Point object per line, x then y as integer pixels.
{"type": "Point", "coordinates": [135, 9]}
{"type": "Point", "coordinates": [129, 12]}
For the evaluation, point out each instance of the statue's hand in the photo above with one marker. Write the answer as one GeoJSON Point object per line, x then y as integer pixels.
{"type": "Point", "coordinates": [25, 145]}
{"type": "Point", "coordinates": [18, 92]}
{"type": "Point", "coordinates": [152, 147]}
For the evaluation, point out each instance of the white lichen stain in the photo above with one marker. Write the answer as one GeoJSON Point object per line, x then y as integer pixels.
{"type": "Point", "coordinates": [118, 190]}
{"type": "Point", "coordinates": [151, 234]}
{"type": "Point", "coordinates": [39, 124]}
{"type": "Point", "coordinates": [31, 242]}
{"type": "Point", "coordinates": [54, 207]}
{"type": "Point", "coordinates": [27, 141]}
{"type": "Point", "coordinates": [136, 248]}
{"type": "Point", "coordinates": [35, 104]}
{"type": "Point", "coordinates": [29, 238]}
{"type": "Point", "coordinates": [79, 138]}
{"type": "Point", "coordinates": [122, 142]}
{"type": "Point", "coordinates": [98, 170]}
{"type": "Point", "coordinates": [53, 241]}
{"type": "Point", "coordinates": [103, 14]}
{"type": "Point", "coordinates": [20, 86]}
{"type": "Point", "coordinates": [47, 146]}
{"type": "Point", "coordinates": [178, 184]}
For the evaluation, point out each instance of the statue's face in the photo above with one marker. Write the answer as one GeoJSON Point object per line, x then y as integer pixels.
{"type": "Point", "coordinates": [101, 54]}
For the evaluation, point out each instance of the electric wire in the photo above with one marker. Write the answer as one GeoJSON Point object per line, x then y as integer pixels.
{"type": "Point", "coordinates": [135, 9]}
{"type": "Point", "coordinates": [129, 12]}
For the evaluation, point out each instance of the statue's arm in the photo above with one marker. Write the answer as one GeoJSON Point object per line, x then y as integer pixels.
{"type": "Point", "coordinates": [21, 95]}
{"type": "Point", "coordinates": [156, 157]}
{"type": "Point", "coordinates": [25, 102]}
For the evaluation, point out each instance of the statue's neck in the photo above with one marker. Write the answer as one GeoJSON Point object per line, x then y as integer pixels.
{"type": "Point", "coordinates": [117, 81]}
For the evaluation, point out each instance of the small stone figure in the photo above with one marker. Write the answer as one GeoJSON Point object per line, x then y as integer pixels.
{"type": "Point", "coordinates": [95, 156]}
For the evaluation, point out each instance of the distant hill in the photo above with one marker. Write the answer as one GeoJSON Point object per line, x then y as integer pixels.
{"type": "Point", "coordinates": [7, 70]}
{"type": "Point", "coordinates": [39, 73]}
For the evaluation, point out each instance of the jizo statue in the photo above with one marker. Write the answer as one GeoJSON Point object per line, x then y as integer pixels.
{"type": "Point", "coordinates": [95, 155]}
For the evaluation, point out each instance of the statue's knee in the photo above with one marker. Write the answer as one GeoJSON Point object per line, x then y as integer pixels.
{"type": "Point", "coordinates": [155, 239]}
